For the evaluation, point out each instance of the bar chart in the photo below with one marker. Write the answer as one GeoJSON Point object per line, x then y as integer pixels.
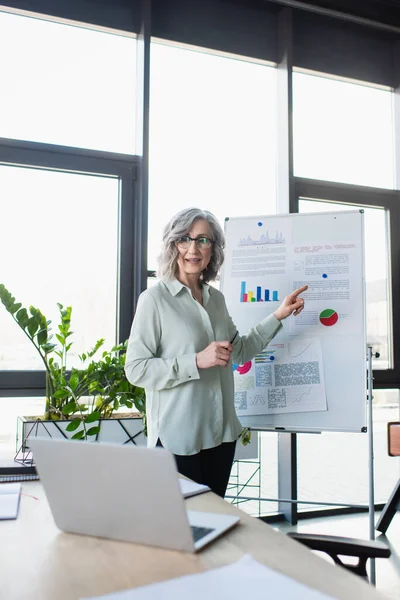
{"type": "Point", "coordinates": [257, 295]}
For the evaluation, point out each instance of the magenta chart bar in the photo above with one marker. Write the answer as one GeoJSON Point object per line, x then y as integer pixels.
{"type": "Point", "coordinates": [257, 296]}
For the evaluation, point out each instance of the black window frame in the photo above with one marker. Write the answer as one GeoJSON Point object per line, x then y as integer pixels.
{"type": "Point", "coordinates": [126, 169]}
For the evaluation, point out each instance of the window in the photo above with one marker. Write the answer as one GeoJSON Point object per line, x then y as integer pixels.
{"type": "Point", "coordinates": [342, 131]}
{"type": "Point", "coordinates": [66, 85]}
{"type": "Point", "coordinates": [333, 467]}
{"type": "Point", "coordinates": [59, 232]}
{"type": "Point", "coordinates": [212, 137]}
{"type": "Point", "coordinates": [10, 410]}
{"type": "Point", "coordinates": [257, 477]}
{"type": "Point", "coordinates": [379, 331]}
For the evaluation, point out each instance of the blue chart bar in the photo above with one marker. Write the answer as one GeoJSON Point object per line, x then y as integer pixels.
{"type": "Point", "coordinates": [257, 296]}
{"type": "Point", "coordinates": [242, 291]}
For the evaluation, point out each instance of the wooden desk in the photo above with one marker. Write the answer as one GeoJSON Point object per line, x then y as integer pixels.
{"type": "Point", "coordinates": [39, 562]}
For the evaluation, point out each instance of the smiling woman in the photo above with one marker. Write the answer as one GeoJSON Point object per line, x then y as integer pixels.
{"type": "Point", "coordinates": [194, 256]}
{"type": "Point", "coordinates": [179, 351]}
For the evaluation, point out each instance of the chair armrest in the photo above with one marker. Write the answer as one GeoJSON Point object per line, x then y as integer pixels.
{"type": "Point", "coordinates": [335, 546]}
{"type": "Point", "coordinates": [342, 545]}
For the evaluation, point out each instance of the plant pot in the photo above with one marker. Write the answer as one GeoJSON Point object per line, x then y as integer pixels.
{"type": "Point", "coordinates": [250, 451]}
{"type": "Point", "coordinates": [118, 429]}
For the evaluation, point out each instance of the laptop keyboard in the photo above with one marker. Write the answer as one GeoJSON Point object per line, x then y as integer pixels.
{"type": "Point", "coordinates": [200, 532]}
{"type": "Point", "coordinates": [18, 477]}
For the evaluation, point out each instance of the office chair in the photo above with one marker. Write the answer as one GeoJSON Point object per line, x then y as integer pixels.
{"type": "Point", "coordinates": [392, 504]}
{"type": "Point", "coordinates": [336, 546]}
{"type": "Point", "coordinates": [363, 550]}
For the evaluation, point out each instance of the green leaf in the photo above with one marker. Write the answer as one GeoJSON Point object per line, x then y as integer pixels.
{"type": "Point", "coordinates": [7, 299]}
{"type": "Point", "coordinates": [33, 326]}
{"type": "Point", "coordinates": [14, 307]}
{"type": "Point", "coordinates": [93, 430]}
{"type": "Point", "coordinates": [60, 339]}
{"type": "Point", "coordinates": [69, 408]}
{"type": "Point", "coordinates": [42, 337]}
{"type": "Point", "coordinates": [74, 381]}
{"type": "Point", "coordinates": [79, 435]}
{"type": "Point", "coordinates": [22, 317]}
{"type": "Point", "coordinates": [61, 394]}
{"type": "Point", "coordinates": [48, 348]}
{"type": "Point", "coordinates": [73, 425]}
{"type": "Point", "coordinates": [94, 416]}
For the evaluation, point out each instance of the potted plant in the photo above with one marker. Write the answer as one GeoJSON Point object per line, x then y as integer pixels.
{"type": "Point", "coordinates": [81, 403]}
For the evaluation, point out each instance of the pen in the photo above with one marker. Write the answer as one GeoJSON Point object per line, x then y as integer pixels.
{"type": "Point", "coordinates": [234, 337]}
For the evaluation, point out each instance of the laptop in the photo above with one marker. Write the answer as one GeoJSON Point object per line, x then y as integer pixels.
{"type": "Point", "coordinates": [126, 493]}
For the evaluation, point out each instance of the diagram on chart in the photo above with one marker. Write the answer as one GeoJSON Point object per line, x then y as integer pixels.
{"type": "Point", "coordinates": [328, 317]}
{"type": "Point", "coordinates": [292, 382]}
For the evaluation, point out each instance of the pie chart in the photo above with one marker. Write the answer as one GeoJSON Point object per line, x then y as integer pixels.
{"type": "Point", "coordinates": [328, 317]}
{"type": "Point", "coordinates": [242, 369]}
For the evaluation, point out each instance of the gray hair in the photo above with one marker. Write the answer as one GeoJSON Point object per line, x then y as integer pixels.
{"type": "Point", "coordinates": [178, 226]}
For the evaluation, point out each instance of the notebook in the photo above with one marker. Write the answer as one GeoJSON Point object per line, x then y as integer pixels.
{"type": "Point", "coordinates": [191, 488]}
{"type": "Point", "coordinates": [10, 494]}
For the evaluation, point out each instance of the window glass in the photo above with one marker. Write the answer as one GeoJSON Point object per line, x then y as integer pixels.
{"type": "Point", "coordinates": [58, 243]}
{"type": "Point", "coordinates": [10, 410]}
{"type": "Point", "coordinates": [66, 85]}
{"type": "Point", "coordinates": [379, 330]}
{"type": "Point", "coordinates": [333, 467]}
{"type": "Point", "coordinates": [212, 137]}
{"type": "Point", "coordinates": [342, 131]}
{"type": "Point", "coordinates": [257, 477]}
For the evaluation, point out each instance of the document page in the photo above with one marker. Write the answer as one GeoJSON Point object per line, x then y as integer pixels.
{"type": "Point", "coordinates": [191, 488]}
{"type": "Point", "coordinates": [246, 578]}
{"type": "Point", "coordinates": [9, 500]}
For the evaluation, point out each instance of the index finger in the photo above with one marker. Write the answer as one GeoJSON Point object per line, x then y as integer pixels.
{"type": "Point", "coordinates": [299, 291]}
{"type": "Point", "coordinates": [225, 344]}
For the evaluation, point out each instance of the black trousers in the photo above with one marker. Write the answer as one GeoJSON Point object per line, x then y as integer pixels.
{"type": "Point", "coordinates": [211, 467]}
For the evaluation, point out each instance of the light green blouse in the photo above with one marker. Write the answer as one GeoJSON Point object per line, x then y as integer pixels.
{"type": "Point", "coordinates": [188, 409]}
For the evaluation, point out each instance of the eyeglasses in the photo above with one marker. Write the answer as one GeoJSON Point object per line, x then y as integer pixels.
{"type": "Point", "coordinates": [202, 243]}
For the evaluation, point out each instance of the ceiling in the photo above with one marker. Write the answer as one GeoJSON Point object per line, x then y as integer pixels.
{"type": "Point", "coordinates": [383, 11]}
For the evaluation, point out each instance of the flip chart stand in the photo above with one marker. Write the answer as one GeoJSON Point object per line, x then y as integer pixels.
{"type": "Point", "coordinates": [371, 503]}
{"type": "Point", "coordinates": [290, 497]}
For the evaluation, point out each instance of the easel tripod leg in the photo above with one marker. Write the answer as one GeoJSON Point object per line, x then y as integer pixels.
{"type": "Point", "coordinates": [390, 509]}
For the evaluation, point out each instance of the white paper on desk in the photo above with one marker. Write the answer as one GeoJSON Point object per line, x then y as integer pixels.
{"type": "Point", "coordinates": [10, 494]}
{"type": "Point", "coordinates": [191, 488]}
{"type": "Point", "coordinates": [246, 578]}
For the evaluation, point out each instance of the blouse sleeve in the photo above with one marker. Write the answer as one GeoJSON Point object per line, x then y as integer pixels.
{"type": "Point", "coordinates": [142, 366]}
